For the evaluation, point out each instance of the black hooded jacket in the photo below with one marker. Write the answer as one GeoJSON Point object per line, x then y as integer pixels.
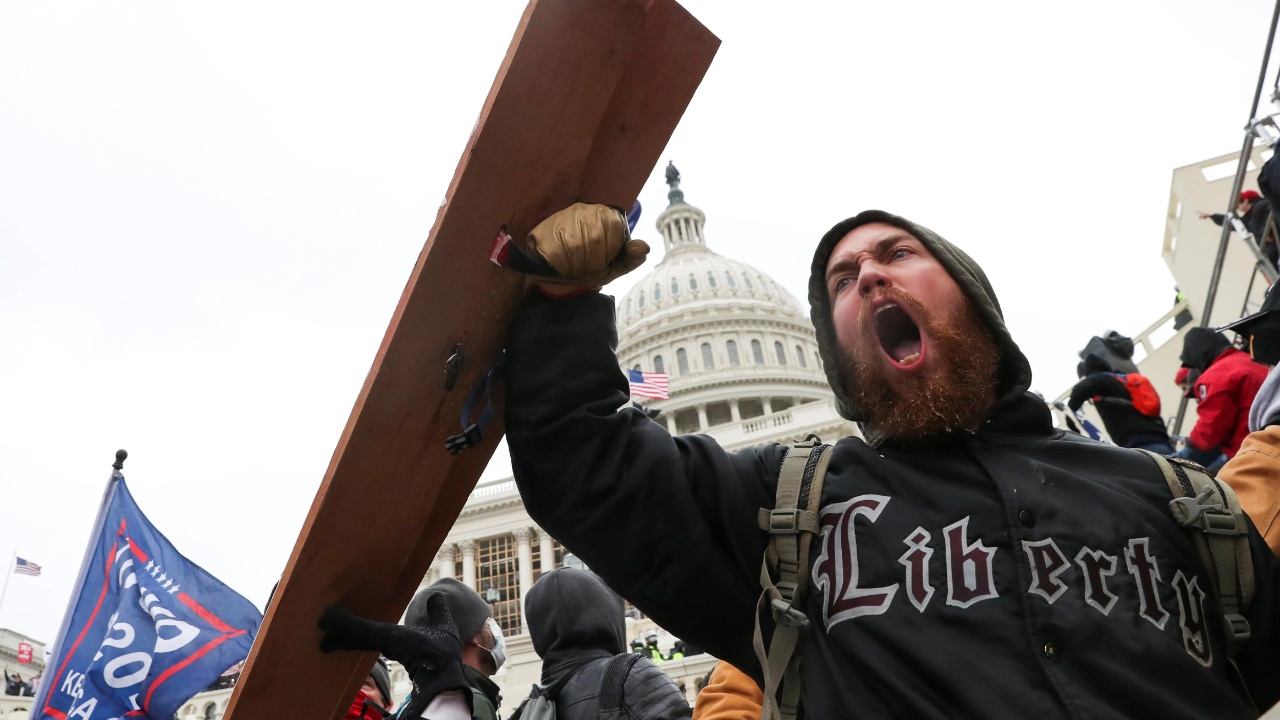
{"type": "Point", "coordinates": [577, 625]}
{"type": "Point", "coordinates": [1015, 571]}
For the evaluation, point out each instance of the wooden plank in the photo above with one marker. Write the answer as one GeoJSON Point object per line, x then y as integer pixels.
{"type": "Point", "coordinates": [585, 100]}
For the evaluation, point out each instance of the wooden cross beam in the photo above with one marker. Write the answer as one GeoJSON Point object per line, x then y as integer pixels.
{"type": "Point", "coordinates": [585, 100]}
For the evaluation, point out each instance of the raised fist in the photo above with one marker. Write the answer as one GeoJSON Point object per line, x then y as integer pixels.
{"type": "Point", "coordinates": [587, 245]}
{"type": "Point", "coordinates": [432, 654]}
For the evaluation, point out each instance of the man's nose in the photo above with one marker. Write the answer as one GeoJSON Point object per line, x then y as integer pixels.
{"type": "Point", "coordinates": [871, 277]}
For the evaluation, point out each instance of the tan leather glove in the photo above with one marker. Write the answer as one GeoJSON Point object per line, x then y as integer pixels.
{"type": "Point", "coordinates": [588, 245]}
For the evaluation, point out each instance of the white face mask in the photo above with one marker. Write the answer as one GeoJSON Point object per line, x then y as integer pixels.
{"type": "Point", "coordinates": [499, 651]}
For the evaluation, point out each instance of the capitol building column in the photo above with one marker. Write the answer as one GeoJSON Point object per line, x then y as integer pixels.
{"type": "Point", "coordinates": [768, 405]}
{"type": "Point", "coordinates": [445, 561]}
{"type": "Point", "coordinates": [546, 551]}
{"type": "Point", "coordinates": [734, 413]}
{"type": "Point", "coordinates": [703, 423]}
{"type": "Point", "coordinates": [671, 423]}
{"type": "Point", "coordinates": [468, 563]}
{"type": "Point", "coordinates": [524, 560]}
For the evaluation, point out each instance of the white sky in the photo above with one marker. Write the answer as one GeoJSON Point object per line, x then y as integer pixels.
{"type": "Point", "coordinates": [207, 214]}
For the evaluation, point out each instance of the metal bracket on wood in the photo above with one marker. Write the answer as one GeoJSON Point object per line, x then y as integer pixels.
{"type": "Point", "coordinates": [453, 366]}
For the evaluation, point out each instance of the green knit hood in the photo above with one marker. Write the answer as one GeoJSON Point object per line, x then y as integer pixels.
{"type": "Point", "coordinates": [1015, 372]}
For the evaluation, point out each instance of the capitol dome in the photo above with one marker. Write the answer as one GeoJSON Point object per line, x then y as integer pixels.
{"type": "Point", "coordinates": [739, 350]}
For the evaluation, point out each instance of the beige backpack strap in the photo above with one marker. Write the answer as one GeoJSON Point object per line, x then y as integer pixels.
{"type": "Point", "coordinates": [792, 524]}
{"type": "Point", "coordinates": [1210, 507]}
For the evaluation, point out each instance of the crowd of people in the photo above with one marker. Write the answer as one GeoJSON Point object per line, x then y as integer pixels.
{"type": "Point", "coordinates": [15, 685]}
{"type": "Point", "coordinates": [1220, 378]}
{"type": "Point", "coordinates": [648, 647]}
{"type": "Point", "coordinates": [964, 558]}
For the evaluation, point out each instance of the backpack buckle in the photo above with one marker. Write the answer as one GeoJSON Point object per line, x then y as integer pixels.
{"type": "Point", "coordinates": [1238, 631]}
{"type": "Point", "coordinates": [1195, 512]}
{"type": "Point", "coordinates": [784, 614]}
{"type": "Point", "coordinates": [468, 438]}
{"type": "Point", "coordinates": [784, 521]}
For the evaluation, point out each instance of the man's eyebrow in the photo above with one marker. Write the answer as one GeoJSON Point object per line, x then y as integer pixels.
{"type": "Point", "coordinates": [877, 248]}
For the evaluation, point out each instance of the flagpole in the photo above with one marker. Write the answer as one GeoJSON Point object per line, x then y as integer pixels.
{"type": "Point", "coordinates": [53, 651]}
{"type": "Point", "coordinates": [13, 559]}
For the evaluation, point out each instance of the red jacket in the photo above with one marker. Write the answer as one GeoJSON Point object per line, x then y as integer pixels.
{"type": "Point", "coordinates": [1225, 391]}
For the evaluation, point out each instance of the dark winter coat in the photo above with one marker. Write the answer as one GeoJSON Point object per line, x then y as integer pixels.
{"type": "Point", "coordinates": [951, 581]}
{"type": "Point", "coordinates": [485, 698]}
{"type": "Point", "coordinates": [1255, 220]}
{"type": "Point", "coordinates": [1126, 426]}
{"type": "Point", "coordinates": [1016, 571]}
{"type": "Point", "coordinates": [577, 625]}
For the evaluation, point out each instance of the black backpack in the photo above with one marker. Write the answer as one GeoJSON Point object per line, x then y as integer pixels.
{"type": "Point", "coordinates": [541, 703]}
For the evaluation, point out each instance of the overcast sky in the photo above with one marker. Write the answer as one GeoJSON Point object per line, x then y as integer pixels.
{"type": "Point", "coordinates": [208, 214]}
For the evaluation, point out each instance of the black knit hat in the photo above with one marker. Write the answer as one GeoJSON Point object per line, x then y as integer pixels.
{"type": "Point", "coordinates": [1015, 371]}
{"type": "Point", "coordinates": [382, 679]}
{"type": "Point", "coordinates": [468, 609]}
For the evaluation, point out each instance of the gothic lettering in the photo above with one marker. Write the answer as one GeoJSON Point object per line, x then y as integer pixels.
{"type": "Point", "coordinates": [969, 575]}
{"type": "Point", "coordinates": [1047, 563]}
{"type": "Point", "coordinates": [1096, 566]}
{"type": "Point", "coordinates": [835, 571]}
{"type": "Point", "coordinates": [1195, 633]}
{"type": "Point", "coordinates": [916, 560]}
{"type": "Point", "coordinates": [1147, 575]}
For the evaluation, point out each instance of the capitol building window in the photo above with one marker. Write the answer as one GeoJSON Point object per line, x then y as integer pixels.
{"type": "Point", "coordinates": [496, 575]}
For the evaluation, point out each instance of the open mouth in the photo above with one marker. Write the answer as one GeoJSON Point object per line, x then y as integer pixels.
{"type": "Point", "coordinates": [899, 336]}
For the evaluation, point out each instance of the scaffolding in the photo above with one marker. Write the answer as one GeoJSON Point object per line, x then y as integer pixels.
{"type": "Point", "coordinates": [1263, 129]}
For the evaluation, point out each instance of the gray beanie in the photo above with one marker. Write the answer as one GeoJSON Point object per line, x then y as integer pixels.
{"type": "Point", "coordinates": [382, 679]}
{"type": "Point", "coordinates": [1015, 372]}
{"type": "Point", "coordinates": [468, 609]}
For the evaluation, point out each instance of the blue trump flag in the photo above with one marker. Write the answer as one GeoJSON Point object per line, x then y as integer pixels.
{"type": "Point", "coordinates": [146, 628]}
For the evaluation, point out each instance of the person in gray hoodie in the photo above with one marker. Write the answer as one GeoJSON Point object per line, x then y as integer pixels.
{"type": "Point", "coordinates": [577, 626]}
{"type": "Point", "coordinates": [973, 560]}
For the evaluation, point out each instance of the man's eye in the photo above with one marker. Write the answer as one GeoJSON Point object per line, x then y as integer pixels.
{"type": "Point", "coordinates": [900, 253]}
{"type": "Point", "coordinates": [842, 283]}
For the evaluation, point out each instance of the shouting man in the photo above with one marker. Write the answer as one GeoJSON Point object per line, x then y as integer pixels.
{"type": "Point", "coordinates": [974, 561]}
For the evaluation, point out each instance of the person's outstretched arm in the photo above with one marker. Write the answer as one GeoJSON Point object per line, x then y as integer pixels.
{"type": "Point", "coordinates": [668, 522]}
{"type": "Point", "coordinates": [1091, 386]}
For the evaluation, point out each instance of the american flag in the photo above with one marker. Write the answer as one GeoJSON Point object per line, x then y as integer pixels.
{"type": "Point", "coordinates": [648, 384]}
{"type": "Point", "coordinates": [25, 567]}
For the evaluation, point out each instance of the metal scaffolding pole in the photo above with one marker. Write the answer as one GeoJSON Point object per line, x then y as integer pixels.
{"type": "Point", "coordinates": [1241, 167]}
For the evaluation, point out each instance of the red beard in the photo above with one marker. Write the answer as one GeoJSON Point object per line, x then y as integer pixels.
{"type": "Point", "coordinates": [952, 392]}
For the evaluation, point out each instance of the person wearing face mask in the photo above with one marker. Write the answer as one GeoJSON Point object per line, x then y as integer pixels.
{"type": "Point", "coordinates": [1254, 473]}
{"type": "Point", "coordinates": [373, 702]}
{"type": "Point", "coordinates": [483, 646]}
{"type": "Point", "coordinates": [450, 676]}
